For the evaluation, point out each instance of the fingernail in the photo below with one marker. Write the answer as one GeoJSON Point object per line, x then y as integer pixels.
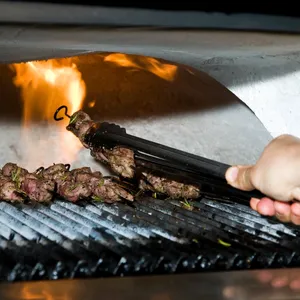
{"type": "Point", "coordinates": [232, 173]}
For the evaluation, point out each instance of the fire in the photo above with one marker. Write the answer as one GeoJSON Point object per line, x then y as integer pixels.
{"type": "Point", "coordinates": [46, 85]}
{"type": "Point", "coordinates": [91, 103]}
{"type": "Point", "coordinates": [164, 71]}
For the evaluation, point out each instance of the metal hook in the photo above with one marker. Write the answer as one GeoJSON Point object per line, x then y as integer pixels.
{"type": "Point", "coordinates": [67, 166]}
{"type": "Point", "coordinates": [58, 110]}
{"type": "Point", "coordinates": [39, 170]}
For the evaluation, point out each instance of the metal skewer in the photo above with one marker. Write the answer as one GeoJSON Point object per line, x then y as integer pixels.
{"type": "Point", "coordinates": [58, 110]}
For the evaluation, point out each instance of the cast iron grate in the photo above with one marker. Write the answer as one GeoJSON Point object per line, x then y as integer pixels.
{"type": "Point", "coordinates": [149, 236]}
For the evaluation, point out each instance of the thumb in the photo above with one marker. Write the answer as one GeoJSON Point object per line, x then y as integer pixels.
{"type": "Point", "coordinates": [240, 177]}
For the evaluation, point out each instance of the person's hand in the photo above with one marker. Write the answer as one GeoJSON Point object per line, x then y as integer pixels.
{"type": "Point", "coordinates": [290, 278]}
{"type": "Point", "coordinates": [277, 175]}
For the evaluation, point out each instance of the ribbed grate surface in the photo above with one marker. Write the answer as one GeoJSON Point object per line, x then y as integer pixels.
{"type": "Point", "coordinates": [65, 240]}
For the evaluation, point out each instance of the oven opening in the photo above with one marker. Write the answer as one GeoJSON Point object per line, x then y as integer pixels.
{"type": "Point", "coordinates": [160, 100]}
{"type": "Point", "coordinates": [163, 101]}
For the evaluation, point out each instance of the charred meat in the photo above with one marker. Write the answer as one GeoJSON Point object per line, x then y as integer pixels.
{"type": "Point", "coordinates": [83, 183]}
{"type": "Point", "coordinates": [18, 184]}
{"type": "Point", "coordinates": [120, 160]}
{"type": "Point", "coordinates": [172, 188]}
{"type": "Point", "coordinates": [38, 189]}
{"type": "Point", "coordinates": [9, 190]}
{"type": "Point", "coordinates": [80, 123]}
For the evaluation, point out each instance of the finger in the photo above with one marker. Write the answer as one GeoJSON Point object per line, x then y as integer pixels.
{"type": "Point", "coordinates": [264, 276]}
{"type": "Point", "coordinates": [280, 282]}
{"type": "Point", "coordinates": [229, 292]}
{"type": "Point", "coordinates": [295, 213]}
{"type": "Point", "coordinates": [283, 211]}
{"type": "Point", "coordinates": [295, 284]}
{"type": "Point", "coordinates": [240, 177]}
{"type": "Point", "coordinates": [266, 207]}
{"type": "Point", "coordinates": [253, 203]}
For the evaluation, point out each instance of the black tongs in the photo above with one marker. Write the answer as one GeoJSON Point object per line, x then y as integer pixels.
{"type": "Point", "coordinates": [178, 164]}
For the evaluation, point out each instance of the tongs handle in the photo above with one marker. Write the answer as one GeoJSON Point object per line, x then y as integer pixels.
{"type": "Point", "coordinates": [186, 175]}
{"type": "Point", "coordinates": [111, 135]}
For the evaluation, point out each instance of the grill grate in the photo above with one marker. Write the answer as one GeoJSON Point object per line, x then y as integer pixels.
{"type": "Point", "coordinates": [149, 236]}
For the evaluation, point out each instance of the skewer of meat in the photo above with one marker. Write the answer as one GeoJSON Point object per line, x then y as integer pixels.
{"type": "Point", "coordinates": [26, 185]}
{"type": "Point", "coordinates": [17, 184]}
{"type": "Point", "coordinates": [121, 161]}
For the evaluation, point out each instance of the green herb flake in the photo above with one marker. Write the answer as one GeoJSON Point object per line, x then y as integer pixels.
{"type": "Point", "coordinates": [97, 198]}
{"type": "Point", "coordinates": [73, 119]}
{"type": "Point", "coordinates": [73, 187]}
{"type": "Point", "coordinates": [195, 241]}
{"type": "Point", "coordinates": [187, 205]}
{"type": "Point", "coordinates": [15, 177]}
{"type": "Point", "coordinates": [63, 178]}
{"type": "Point", "coordinates": [101, 182]}
{"type": "Point", "coordinates": [15, 174]}
{"type": "Point", "coordinates": [18, 183]}
{"type": "Point", "coordinates": [223, 243]}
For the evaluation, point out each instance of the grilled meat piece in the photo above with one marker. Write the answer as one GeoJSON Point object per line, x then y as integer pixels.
{"type": "Point", "coordinates": [79, 124]}
{"type": "Point", "coordinates": [38, 189]}
{"type": "Point", "coordinates": [108, 191]}
{"type": "Point", "coordinates": [172, 188]}
{"type": "Point", "coordinates": [15, 173]}
{"type": "Point", "coordinates": [75, 185]}
{"type": "Point", "coordinates": [19, 183]}
{"type": "Point", "coordinates": [82, 183]}
{"type": "Point", "coordinates": [9, 190]}
{"type": "Point", "coordinates": [56, 173]}
{"type": "Point", "coordinates": [121, 160]}
{"type": "Point", "coordinates": [11, 170]}
{"type": "Point", "coordinates": [74, 191]}
{"type": "Point", "coordinates": [81, 170]}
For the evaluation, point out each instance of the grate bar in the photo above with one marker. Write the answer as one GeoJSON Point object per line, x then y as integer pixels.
{"type": "Point", "coordinates": [148, 236]}
{"type": "Point", "coordinates": [268, 224]}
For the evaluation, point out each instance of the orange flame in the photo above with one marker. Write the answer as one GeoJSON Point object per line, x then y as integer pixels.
{"type": "Point", "coordinates": [45, 85]}
{"type": "Point", "coordinates": [164, 71]}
